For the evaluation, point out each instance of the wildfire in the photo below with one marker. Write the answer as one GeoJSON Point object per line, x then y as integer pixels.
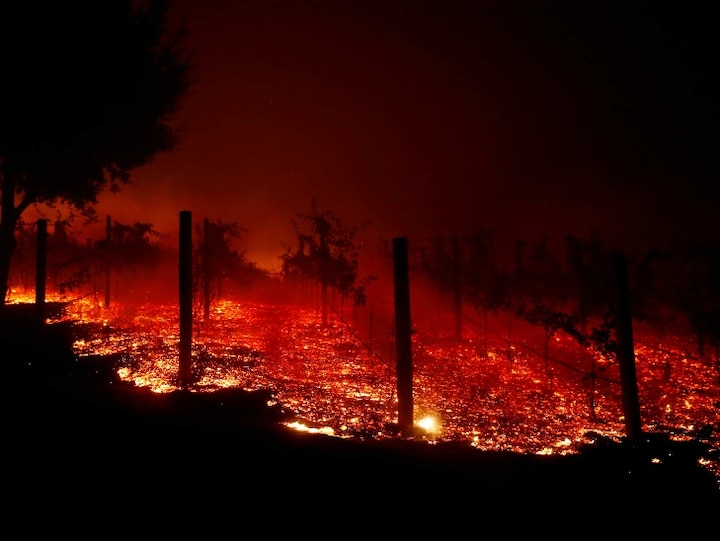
{"type": "Point", "coordinates": [341, 383]}
{"type": "Point", "coordinates": [302, 427]}
{"type": "Point", "coordinates": [429, 425]}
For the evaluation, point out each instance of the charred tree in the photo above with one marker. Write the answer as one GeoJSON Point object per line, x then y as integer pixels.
{"type": "Point", "coordinates": [328, 255]}
{"type": "Point", "coordinates": [219, 262]}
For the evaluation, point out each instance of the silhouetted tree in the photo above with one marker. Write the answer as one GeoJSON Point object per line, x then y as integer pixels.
{"type": "Point", "coordinates": [546, 297]}
{"type": "Point", "coordinates": [602, 344]}
{"type": "Point", "coordinates": [692, 287]}
{"type": "Point", "coordinates": [590, 271]}
{"type": "Point", "coordinates": [480, 276]}
{"type": "Point", "coordinates": [439, 258]}
{"type": "Point", "coordinates": [663, 294]}
{"type": "Point", "coordinates": [89, 93]}
{"type": "Point", "coordinates": [133, 251]}
{"type": "Point", "coordinates": [219, 261]}
{"type": "Point", "coordinates": [435, 258]}
{"type": "Point", "coordinates": [327, 253]}
{"type": "Point", "coordinates": [69, 263]}
{"type": "Point", "coordinates": [25, 254]}
{"type": "Point", "coordinates": [511, 292]}
{"type": "Point", "coordinates": [654, 301]}
{"type": "Point", "coordinates": [551, 321]}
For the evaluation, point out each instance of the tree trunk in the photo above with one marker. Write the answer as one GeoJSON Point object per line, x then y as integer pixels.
{"type": "Point", "coordinates": [8, 222]}
{"type": "Point", "coordinates": [7, 247]}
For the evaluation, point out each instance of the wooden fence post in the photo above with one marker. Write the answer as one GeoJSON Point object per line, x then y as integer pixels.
{"type": "Point", "coordinates": [41, 271]}
{"type": "Point", "coordinates": [186, 298]}
{"type": "Point", "coordinates": [206, 271]}
{"type": "Point", "coordinates": [403, 342]}
{"type": "Point", "coordinates": [108, 241]}
{"type": "Point", "coordinates": [626, 350]}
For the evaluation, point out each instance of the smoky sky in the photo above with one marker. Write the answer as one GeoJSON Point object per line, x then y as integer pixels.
{"type": "Point", "coordinates": [427, 118]}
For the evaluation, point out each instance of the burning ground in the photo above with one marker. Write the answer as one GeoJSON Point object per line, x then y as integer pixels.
{"type": "Point", "coordinates": [339, 378]}
{"type": "Point", "coordinates": [507, 431]}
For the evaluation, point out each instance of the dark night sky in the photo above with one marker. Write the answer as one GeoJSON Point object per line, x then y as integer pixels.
{"type": "Point", "coordinates": [527, 117]}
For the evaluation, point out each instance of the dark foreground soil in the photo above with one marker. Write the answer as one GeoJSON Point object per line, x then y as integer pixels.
{"type": "Point", "coordinates": [90, 457]}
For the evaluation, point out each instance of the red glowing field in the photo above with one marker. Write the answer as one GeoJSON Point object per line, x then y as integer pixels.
{"type": "Point", "coordinates": [496, 392]}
